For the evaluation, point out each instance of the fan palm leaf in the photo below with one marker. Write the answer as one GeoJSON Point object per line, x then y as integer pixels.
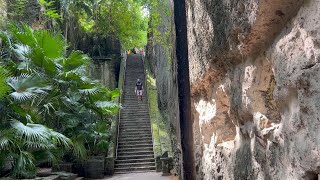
{"type": "Point", "coordinates": [27, 87]}
{"type": "Point", "coordinates": [24, 165]}
{"type": "Point", "coordinates": [31, 132]}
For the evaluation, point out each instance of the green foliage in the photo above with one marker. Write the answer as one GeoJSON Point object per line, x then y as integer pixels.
{"type": "Point", "coordinates": [4, 75]}
{"type": "Point", "coordinates": [50, 11]}
{"type": "Point", "coordinates": [49, 105]}
{"type": "Point", "coordinates": [17, 8]}
{"type": "Point", "coordinates": [125, 21]}
{"type": "Point", "coordinates": [120, 19]}
{"type": "Point", "coordinates": [160, 25]}
{"type": "Point", "coordinates": [22, 141]}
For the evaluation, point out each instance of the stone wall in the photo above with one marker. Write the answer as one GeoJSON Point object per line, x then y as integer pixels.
{"type": "Point", "coordinates": [106, 70]}
{"type": "Point", "coordinates": [254, 68]}
{"type": "Point", "coordinates": [3, 12]}
{"type": "Point", "coordinates": [161, 58]}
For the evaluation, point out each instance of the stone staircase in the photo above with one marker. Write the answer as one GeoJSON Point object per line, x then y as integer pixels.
{"type": "Point", "coordinates": [135, 148]}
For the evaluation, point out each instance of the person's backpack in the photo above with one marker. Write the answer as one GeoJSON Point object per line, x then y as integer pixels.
{"type": "Point", "coordinates": [139, 86]}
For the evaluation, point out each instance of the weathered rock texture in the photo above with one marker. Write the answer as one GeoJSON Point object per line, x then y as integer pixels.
{"type": "Point", "coordinates": [3, 12]}
{"type": "Point", "coordinates": [255, 88]}
{"type": "Point", "coordinates": [161, 58]}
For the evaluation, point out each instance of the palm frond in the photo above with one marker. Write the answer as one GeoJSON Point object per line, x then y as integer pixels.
{"type": "Point", "coordinates": [75, 60]}
{"type": "Point", "coordinates": [23, 35]}
{"type": "Point", "coordinates": [34, 145]}
{"type": "Point", "coordinates": [24, 165]}
{"type": "Point", "coordinates": [79, 149]}
{"type": "Point", "coordinates": [27, 87]}
{"type": "Point", "coordinates": [60, 139]}
{"type": "Point", "coordinates": [90, 91]}
{"type": "Point", "coordinates": [45, 156]}
{"type": "Point", "coordinates": [52, 45]}
{"type": "Point", "coordinates": [31, 132]}
{"type": "Point", "coordinates": [6, 139]}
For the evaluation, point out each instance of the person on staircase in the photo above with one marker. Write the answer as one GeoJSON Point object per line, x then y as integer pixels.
{"type": "Point", "coordinates": [138, 89]}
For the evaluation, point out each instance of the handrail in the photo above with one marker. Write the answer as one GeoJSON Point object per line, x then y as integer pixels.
{"type": "Point", "coordinates": [120, 101]}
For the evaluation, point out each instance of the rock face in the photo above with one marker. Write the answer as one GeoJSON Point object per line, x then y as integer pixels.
{"type": "Point", "coordinates": [254, 68]}
{"type": "Point", "coordinates": [3, 12]}
{"type": "Point", "coordinates": [161, 58]}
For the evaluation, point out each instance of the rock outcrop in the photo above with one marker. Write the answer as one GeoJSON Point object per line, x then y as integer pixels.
{"type": "Point", "coordinates": [254, 68]}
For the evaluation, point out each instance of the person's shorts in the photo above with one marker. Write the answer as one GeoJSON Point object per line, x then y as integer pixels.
{"type": "Point", "coordinates": [139, 92]}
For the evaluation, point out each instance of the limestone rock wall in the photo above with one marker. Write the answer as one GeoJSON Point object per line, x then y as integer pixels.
{"type": "Point", "coordinates": [3, 12]}
{"type": "Point", "coordinates": [161, 59]}
{"type": "Point", "coordinates": [254, 68]}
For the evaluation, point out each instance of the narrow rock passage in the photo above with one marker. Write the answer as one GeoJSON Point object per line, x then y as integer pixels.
{"type": "Point", "coordinates": [135, 148]}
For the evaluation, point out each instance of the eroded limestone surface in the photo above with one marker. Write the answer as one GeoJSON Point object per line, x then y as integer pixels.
{"type": "Point", "coordinates": [255, 88]}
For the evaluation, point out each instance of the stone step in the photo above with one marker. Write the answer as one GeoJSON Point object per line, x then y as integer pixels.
{"type": "Point", "coordinates": [135, 71]}
{"type": "Point", "coordinates": [130, 131]}
{"type": "Point", "coordinates": [135, 115]}
{"type": "Point", "coordinates": [134, 126]}
{"type": "Point", "coordinates": [126, 146]}
{"type": "Point", "coordinates": [135, 129]}
{"type": "Point", "coordinates": [121, 143]}
{"type": "Point", "coordinates": [134, 110]}
{"type": "Point", "coordinates": [131, 118]}
{"type": "Point", "coordinates": [134, 169]}
{"type": "Point", "coordinates": [131, 110]}
{"type": "Point", "coordinates": [135, 121]}
{"type": "Point", "coordinates": [134, 138]}
{"type": "Point", "coordinates": [144, 140]}
{"type": "Point", "coordinates": [130, 95]}
{"type": "Point", "coordinates": [136, 148]}
{"type": "Point", "coordinates": [135, 165]}
{"type": "Point", "coordinates": [135, 160]}
{"type": "Point", "coordinates": [141, 152]}
{"type": "Point", "coordinates": [124, 135]}
{"type": "Point", "coordinates": [125, 130]}
{"type": "Point", "coordinates": [135, 156]}
{"type": "Point", "coordinates": [135, 107]}
{"type": "Point", "coordinates": [136, 118]}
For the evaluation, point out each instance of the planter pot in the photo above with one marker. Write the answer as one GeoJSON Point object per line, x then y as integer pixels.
{"type": "Point", "coordinates": [67, 167]}
{"type": "Point", "coordinates": [78, 168]}
{"type": "Point", "coordinates": [94, 167]}
{"type": "Point", "coordinates": [109, 166]}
